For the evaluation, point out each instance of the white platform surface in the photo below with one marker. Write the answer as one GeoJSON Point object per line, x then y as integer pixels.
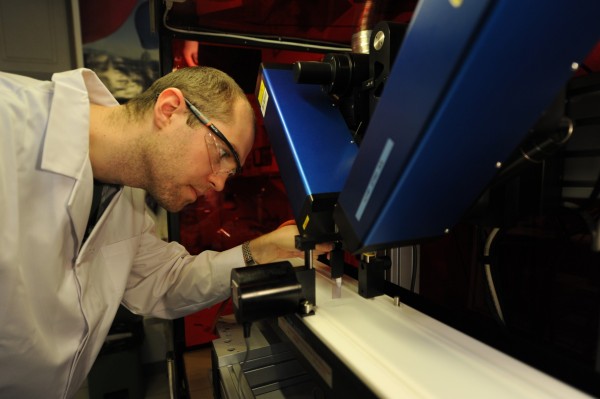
{"type": "Point", "coordinates": [400, 352]}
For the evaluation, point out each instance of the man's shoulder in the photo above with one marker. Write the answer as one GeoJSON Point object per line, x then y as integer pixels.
{"type": "Point", "coordinates": [13, 83]}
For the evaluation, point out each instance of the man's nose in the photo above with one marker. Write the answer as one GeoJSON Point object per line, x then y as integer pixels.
{"type": "Point", "coordinates": [218, 181]}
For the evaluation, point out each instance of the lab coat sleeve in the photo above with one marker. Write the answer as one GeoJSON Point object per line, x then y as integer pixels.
{"type": "Point", "coordinates": [167, 282]}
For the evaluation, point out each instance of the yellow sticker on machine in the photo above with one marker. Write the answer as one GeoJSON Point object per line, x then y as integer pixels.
{"type": "Point", "coordinates": [305, 223]}
{"type": "Point", "coordinates": [263, 97]}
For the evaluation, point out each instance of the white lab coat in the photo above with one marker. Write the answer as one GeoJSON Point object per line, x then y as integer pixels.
{"type": "Point", "coordinates": [57, 300]}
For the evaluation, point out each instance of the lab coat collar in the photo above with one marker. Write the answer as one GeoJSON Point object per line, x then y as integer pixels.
{"type": "Point", "coordinates": [65, 148]}
{"type": "Point", "coordinates": [66, 145]}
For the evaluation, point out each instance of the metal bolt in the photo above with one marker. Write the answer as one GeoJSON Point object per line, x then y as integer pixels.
{"type": "Point", "coordinates": [307, 307]}
{"type": "Point", "coordinates": [378, 40]}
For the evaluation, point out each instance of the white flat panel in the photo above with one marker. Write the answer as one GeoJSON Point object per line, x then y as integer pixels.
{"type": "Point", "coordinates": [401, 353]}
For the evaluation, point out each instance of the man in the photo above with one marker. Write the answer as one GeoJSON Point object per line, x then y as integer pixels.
{"type": "Point", "coordinates": [76, 240]}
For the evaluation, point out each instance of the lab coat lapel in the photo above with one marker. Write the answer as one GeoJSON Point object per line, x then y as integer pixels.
{"type": "Point", "coordinates": [66, 146]}
{"type": "Point", "coordinates": [79, 205]}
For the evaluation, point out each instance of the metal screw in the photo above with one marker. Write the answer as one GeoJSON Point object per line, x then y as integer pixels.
{"type": "Point", "coordinates": [307, 307]}
{"type": "Point", "coordinates": [379, 40]}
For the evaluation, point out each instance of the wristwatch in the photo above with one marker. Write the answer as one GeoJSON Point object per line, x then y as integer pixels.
{"type": "Point", "coordinates": [248, 259]}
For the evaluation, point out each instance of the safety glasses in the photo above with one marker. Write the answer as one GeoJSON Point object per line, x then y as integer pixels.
{"type": "Point", "coordinates": [221, 160]}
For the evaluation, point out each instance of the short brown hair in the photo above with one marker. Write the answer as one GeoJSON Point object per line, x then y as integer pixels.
{"type": "Point", "coordinates": [212, 91]}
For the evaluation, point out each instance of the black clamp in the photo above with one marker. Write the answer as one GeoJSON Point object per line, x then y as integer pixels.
{"type": "Point", "coordinates": [371, 274]}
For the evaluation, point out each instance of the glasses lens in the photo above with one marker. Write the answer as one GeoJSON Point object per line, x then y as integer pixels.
{"type": "Point", "coordinates": [221, 161]}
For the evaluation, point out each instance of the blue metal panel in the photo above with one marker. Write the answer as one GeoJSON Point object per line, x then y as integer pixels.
{"type": "Point", "coordinates": [312, 144]}
{"type": "Point", "coordinates": [468, 83]}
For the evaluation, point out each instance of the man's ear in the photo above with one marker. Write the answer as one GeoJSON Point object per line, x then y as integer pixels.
{"type": "Point", "coordinates": [170, 102]}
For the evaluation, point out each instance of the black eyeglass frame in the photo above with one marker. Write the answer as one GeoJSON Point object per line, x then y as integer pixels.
{"type": "Point", "coordinates": [204, 120]}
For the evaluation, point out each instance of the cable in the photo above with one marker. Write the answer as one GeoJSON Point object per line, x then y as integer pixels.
{"type": "Point", "coordinates": [488, 272]}
{"type": "Point", "coordinates": [586, 68]}
{"type": "Point", "coordinates": [247, 328]}
{"type": "Point", "coordinates": [251, 39]}
{"type": "Point", "coordinates": [241, 369]}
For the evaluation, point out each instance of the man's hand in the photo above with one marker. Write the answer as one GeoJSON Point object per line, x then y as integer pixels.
{"type": "Point", "coordinates": [280, 244]}
{"type": "Point", "coordinates": [190, 52]}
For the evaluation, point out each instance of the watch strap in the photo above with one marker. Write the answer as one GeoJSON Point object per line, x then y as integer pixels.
{"type": "Point", "coordinates": [248, 259]}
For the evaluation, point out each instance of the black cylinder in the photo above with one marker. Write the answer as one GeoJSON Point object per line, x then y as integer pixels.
{"type": "Point", "coordinates": [315, 72]}
{"type": "Point", "coordinates": [264, 291]}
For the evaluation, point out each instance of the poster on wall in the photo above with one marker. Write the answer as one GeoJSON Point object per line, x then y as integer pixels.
{"type": "Point", "coordinates": [121, 48]}
{"type": "Point", "coordinates": [119, 45]}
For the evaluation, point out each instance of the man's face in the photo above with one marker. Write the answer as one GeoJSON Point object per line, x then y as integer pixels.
{"type": "Point", "coordinates": [180, 168]}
